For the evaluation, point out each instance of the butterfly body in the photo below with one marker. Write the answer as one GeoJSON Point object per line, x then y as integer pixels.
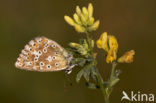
{"type": "Point", "coordinates": [43, 55]}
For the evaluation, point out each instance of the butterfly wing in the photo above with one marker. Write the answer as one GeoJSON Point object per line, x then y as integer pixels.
{"type": "Point", "coordinates": [42, 54]}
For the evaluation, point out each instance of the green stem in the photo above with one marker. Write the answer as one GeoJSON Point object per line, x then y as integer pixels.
{"type": "Point", "coordinates": [113, 70]}
{"type": "Point", "coordinates": [89, 43]}
{"type": "Point", "coordinates": [102, 87]}
{"type": "Point", "coordinates": [109, 88]}
{"type": "Point", "coordinates": [100, 79]}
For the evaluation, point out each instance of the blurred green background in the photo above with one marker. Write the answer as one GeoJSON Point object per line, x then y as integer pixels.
{"type": "Point", "coordinates": [133, 22]}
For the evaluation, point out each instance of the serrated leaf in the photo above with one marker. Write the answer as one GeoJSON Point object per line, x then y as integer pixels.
{"type": "Point", "coordinates": [79, 75]}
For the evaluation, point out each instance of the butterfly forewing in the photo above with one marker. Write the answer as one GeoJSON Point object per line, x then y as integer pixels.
{"type": "Point", "coordinates": [42, 54]}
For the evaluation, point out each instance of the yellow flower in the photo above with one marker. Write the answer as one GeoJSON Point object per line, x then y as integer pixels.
{"type": "Point", "coordinates": [127, 57]}
{"type": "Point", "coordinates": [102, 42]}
{"type": "Point", "coordinates": [110, 45]}
{"type": "Point", "coordinates": [95, 26]}
{"type": "Point", "coordinates": [90, 10]}
{"type": "Point", "coordinates": [77, 19]}
{"type": "Point", "coordinates": [113, 44]}
{"type": "Point", "coordinates": [69, 20]}
{"type": "Point", "coordinates": [79, 28]}
{"type": "Point", "coordinates": [111, 56]}
{"type": "Point", "coordinates": [75, 45]}
{"type": "Point", "coordinates": [91, 21]}
{"type": "Point", "coordinates": [83, 20]}
{"type": "Point", "coordinates": [78, 10]}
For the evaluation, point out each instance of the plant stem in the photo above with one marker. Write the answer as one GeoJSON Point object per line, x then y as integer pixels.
{"type": "Point", "coordinates": [109, 87]}
{"type": "Point", "coordinates": [100, 79]}
{"type": "Point", "coordinates": [102, 87]}
{"type": "Point", "coordinates": [113, 70]}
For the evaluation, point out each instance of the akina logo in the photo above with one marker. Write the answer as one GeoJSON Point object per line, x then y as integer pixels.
{"type": "Point", "coordinates": [137, 96]}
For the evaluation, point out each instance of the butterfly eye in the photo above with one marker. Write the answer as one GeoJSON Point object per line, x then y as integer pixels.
{"type": "Point", "coordinates": [39, 40]}
{"type": "Point", "coordinates": [56, 53]}
{"type": "Point", "coordinates": [40, 53]}
{"type": "Point", "coordinates": [35, 59]}
{"type": "Point", "coordinates": [28, 63]}
{"type": "Point", "coordinates": [56, 64]}
{"type": "Point", "coordinates": [54, 57]}
{"type": "Point", "coordinates": [46, 45]}
{"type": "Point", "coordinates": [44, 50]}
{"type": "Point", "coordinates": [36, 56]}
{"type": "Point", "coordinates": [48, 66]}
{"type": "Point", "coordinates": [54, 46]}
{"type": "Point", "coordinates": [41, 64]}
{"type": "Point", "coordinates": [30, 49]}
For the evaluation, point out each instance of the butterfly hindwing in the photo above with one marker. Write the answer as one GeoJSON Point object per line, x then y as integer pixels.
{"type": "Point", "coordinates": [42, 54]}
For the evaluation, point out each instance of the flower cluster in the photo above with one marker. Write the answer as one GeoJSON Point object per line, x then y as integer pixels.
{"type": "Point", "coordinates": [83, 20]}
{"type": "Point", "coordinates": [127, 57]}
{"type": "Point", "coordinates": [110, 45]}
{"type": "Point", "coordinates": [85, 57]}
{"type": "Point", "coordinates": [82, 48]}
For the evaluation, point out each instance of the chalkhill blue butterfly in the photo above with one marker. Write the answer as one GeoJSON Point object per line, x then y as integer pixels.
{"type": "Point", "coordinates": [44, 55]}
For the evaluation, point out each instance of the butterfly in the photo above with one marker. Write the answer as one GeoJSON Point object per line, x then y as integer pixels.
{"type": "Point", "coordinates": [44, 55]}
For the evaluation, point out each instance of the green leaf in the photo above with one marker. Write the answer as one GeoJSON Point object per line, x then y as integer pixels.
{"type": "Point", "coordinates": [117, 73]}
{"type": "Point", "coordinates": [114, 81]}
{"type": "Point", "coordinates": [87, 71]}
{"type": "Point", "coordinates": [94, 77]}
{"type": "Point", "coordinates": [79, 75]}
{"type": "Point", "coordinates": [93, 73]}
{"type": "Point", "coordinates": [92, 86]}
{"type": "Point", "coordinates": [80, 61]}
{"type": "Point", "coordinates": [81, 41]}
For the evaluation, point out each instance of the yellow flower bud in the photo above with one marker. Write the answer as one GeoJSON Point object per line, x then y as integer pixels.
{"type": "Point", "coordinates": [113, 44]}
{"type": "Point", "coordinates": [85, 45]}
{"type": "Point", "coordinates": [91, 21]}
{"type": "Point", "coordinates": [111, 56]}
{"type": "Point", "coordinates": [75, 45]}
{"type": "Point", "coordinates": [83, 19]}
{"type": "Point", "coordinates": [69, 20]}
{"type": "Point", "coordinates": [79, 28]}
{"type": "Point", "coordinates": [85, 11]}
{"type": "Point", "coordinates": [99, 43]}
{"type": "Point", "coordinates": [95, 26]}
{"type": "Point", "coordinates": [105, 41]}
{"type": "Point", "coordinates": [90, 10]}
{"type": "Point", "coordinates": [127, 57]}
{"type": "Point", "coordinates": [92, 43]}
{"type": "Point", "coordinates": [78, 10]}
{"type": "Point", "coordinates": [102, 42]}
{"type": "Point", "coordinates": [77, 19]}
